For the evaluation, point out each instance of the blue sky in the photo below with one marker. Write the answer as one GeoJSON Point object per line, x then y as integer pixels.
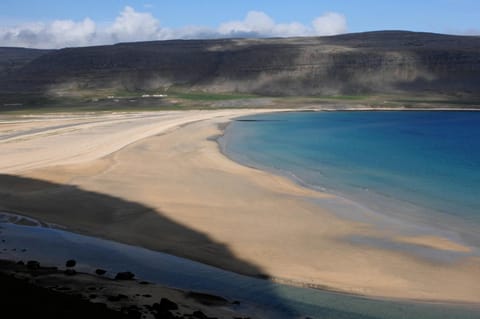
{"type": "Point", "coordinates": [47, 23]}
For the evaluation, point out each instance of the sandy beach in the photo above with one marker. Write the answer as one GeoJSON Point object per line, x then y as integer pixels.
{"type": "Point", "coordinates": [159, 180]}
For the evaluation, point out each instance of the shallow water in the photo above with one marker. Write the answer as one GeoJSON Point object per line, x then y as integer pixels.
{"type": "Point", "coordinates": [420, 168]}
{"type": "Point", "coordinates": [53, 247]}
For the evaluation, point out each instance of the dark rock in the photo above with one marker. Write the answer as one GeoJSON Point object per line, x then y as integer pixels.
{"type": "Point", "coordinates": [23, 250]}
{"type": "Point", "coordinates": [70, 263]}
{"type": "Point", "coordinates": [200, 315]}
{"type": "Point", "coordinates": [132, 312]}
{"type": "Point", "coordinates": [100, 272]}
{"type": "Point", "coordinates": [117, 297]}
{"type": "Point", "coordinates": [155, 306]}
{"type": "Point", "coordinates": [207, 299]}
{"type": "Point", "coordinates": [263, 276]}
{"type": "Point", "coordinates": [162, 309]}
{"type": "Point", "coordinates": [147, 295]}
{"type": "Point", "coordinates": [164, 315]}
{"type": "Point", "coordinates": [92, 296]}
{"type": "Point", "coordinates": [168, 304]}
{"type": "Point", "coordinates": [92, 288]}
{"type": "Point", "coordinates": [20, 263]}
{"type": "Point", "coordinates": [126, 275]}
{"type": "Point", "coordinates": [33, 264]}
{"type": "Point", "coordinates": [144, 283]}
{"type": "Point", "coordinates": [70, 272]}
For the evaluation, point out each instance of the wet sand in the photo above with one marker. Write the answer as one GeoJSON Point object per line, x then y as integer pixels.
{"type": "Point", "coordinates": [250, 221]}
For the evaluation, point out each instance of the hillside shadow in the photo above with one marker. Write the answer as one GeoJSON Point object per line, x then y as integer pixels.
{"type": "Point", "coordinates": [113, 218]}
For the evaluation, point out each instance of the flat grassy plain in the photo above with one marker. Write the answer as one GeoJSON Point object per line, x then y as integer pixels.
{"type": "Point", "coordinates": [131, 101]}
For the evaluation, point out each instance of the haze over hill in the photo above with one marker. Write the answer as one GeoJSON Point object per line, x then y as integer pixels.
{"type": "Point", "coordinates": [384, 62]}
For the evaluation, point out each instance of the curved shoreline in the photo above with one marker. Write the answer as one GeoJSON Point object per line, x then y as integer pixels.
{"type": "Point", "coordinates": [169, 270]}
{"type": "Point", "coordinates": [430, 234]}
{"type": "Point", "coordinates": [283, 234]}
{"type": "Point", "coordinates": [89, 265]}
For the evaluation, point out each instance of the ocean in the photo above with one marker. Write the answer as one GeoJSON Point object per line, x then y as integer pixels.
{"type": "Point", "coordinates": [420, 168]}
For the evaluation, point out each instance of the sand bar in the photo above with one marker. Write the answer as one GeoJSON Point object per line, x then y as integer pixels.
{"type": "Point", "coordinates": [136, 179]}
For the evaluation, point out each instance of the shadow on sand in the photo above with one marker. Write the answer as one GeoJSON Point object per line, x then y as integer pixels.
{"type": "Point", "coordinates": [105, 216]}
{"type": "Point", "coordinates": [113, 218]}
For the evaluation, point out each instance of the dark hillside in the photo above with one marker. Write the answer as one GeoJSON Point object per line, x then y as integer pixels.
{"type": "Point", "coordinates": [384, 62]}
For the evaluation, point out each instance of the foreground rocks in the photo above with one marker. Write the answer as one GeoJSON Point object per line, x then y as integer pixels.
{"type": "Point", "coordinates": [21, 299]}
{"type": "Point", "coordinates": [70, 263]}
{"type": "Point", "coordinates": [81, 295]}
{"type": "Point", "coordinates": [126, 275]}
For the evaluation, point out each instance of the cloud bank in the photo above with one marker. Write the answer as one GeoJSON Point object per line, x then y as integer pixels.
{"type": "Point", "coordinates": [131, 25]}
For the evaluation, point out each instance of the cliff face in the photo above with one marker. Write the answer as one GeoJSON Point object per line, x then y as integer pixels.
{"type": "Point", "coordinates": [373, 62]}
{"type": "Point", "coordinates": [12, 59]}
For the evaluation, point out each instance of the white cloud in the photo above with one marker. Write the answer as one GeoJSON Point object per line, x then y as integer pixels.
{"type": "Point", "coordinates": [330, 23]}
{"type": "Point", "coordinates": [261, 25]}
{"type": "Point", "coordinates": [69, 33]}
{"type": "Point", "coordinates": [255, 22]}
{"type": "Point", "coordinates": [131, 25]}
{"type": "Point", "coordinates": [59, 33]}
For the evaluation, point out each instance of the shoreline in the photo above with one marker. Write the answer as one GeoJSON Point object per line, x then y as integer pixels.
{"type": "Point", "coordinates": [107, 175]}
{"type": "Point", "coordinates": [54, 270]}
{"type": "Point", "coordinates": [414, 223]}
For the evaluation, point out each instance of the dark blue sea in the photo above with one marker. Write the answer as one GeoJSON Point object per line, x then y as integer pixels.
{"type": "Point", "coordinates": [420, 166]}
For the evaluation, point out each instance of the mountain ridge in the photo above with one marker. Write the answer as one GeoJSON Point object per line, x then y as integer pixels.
{"type": "Point", "coordinates": [378, 62]}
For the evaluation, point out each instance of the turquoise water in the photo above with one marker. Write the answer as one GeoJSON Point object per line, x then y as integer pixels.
{"type": "Point", "coordinates": [409, 165]}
